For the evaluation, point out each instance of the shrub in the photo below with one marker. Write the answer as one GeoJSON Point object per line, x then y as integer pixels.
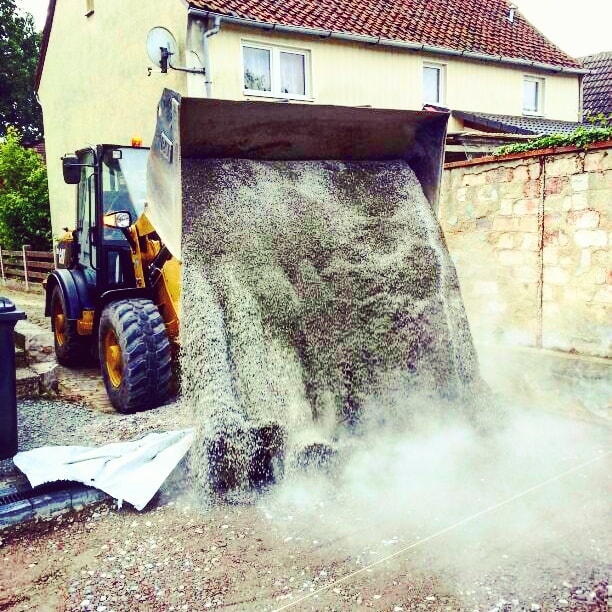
{"type": "Point", "coordinates": [24, 196]}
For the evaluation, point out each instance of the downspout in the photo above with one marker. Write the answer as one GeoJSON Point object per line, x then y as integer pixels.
{"type": "Point", "coordinates": [208, 72]}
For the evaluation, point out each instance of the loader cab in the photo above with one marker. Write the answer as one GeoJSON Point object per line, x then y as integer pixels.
{"type": "Point", "coordinates": [110, 179]}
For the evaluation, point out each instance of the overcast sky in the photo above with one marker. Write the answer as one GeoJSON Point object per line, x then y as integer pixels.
{"type": "Point", "coordinates": [579, 27]}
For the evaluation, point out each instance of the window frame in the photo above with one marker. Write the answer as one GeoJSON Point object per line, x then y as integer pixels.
{"type": "Point", "coordinates": [540, 81]}
{"type": "Point", "coordinates": [441, 68]}
{"type": "Point", "coordinates": [275, 71]}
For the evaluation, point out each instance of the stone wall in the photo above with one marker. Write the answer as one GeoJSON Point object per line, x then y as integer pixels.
{"type": "Point", "coordinates": [530, 237]}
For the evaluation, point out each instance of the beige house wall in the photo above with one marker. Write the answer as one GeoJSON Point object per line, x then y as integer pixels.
{"type": "Point", "coordinates": [358, 75]}
{"type": "Point", "coordinates": [94, 87]}
{"type": "Point", "coordinates": [531, 237]}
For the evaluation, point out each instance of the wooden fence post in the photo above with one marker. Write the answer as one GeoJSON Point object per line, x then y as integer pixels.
{"type": "Point", "coordinates": [25, 265]}
{"type": "Point", "coordinates": [2, 267]}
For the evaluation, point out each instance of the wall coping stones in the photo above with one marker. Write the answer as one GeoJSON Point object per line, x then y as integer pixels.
{"type": "Point", "coordinates": [606, 144]}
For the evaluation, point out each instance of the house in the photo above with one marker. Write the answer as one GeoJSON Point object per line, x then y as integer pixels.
{"type": "Point", "coordinates": [597, 85]}
{"type": "Point", "coordinates": [97, 83]}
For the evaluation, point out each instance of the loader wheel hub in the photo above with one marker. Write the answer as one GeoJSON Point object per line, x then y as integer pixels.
{"type": "Point", "coordinates": [112, 358]}
{"type": "Point", "coordinates": [60, 327]}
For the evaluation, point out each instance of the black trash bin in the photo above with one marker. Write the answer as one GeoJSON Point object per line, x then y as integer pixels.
{"type": "Point", "coordinates": [9, 315]}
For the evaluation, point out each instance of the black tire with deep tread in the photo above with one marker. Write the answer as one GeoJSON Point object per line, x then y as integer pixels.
{"type": "Point", "coordinates": [74, 351]}
{"type": "Point", "coordinates": [145, 352]}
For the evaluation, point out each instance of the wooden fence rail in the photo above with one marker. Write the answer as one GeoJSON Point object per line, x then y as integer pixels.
{"type": "Point", "coordinates": [26, 265]}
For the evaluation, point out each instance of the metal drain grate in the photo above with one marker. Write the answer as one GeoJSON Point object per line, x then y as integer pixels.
{"type": "Point", "coordinates": [44, 489]}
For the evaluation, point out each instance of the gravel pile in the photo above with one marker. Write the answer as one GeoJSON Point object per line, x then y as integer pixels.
{"type": "Point", "coordinates": [49, 422]}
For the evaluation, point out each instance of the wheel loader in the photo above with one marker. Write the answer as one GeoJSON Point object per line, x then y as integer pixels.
{"type": "Point", "coordinates": [116, 289]}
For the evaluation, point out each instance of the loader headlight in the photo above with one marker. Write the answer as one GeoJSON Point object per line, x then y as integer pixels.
{"type": "Point", "coordinates": [121, 219]}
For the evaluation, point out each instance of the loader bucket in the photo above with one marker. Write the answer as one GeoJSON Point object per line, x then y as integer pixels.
{"type": "Point", "coordinates": [200, 128]}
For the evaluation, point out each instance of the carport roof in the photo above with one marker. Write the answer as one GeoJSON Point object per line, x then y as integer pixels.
{"type": "Point", "coordinates": [511, 124]}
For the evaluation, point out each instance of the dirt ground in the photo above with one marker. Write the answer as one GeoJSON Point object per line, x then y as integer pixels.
{"type": "Point", "coordinates": [523, 525]}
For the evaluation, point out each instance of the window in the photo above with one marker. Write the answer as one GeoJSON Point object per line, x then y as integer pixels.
{"type": "Point", "coordinates": [275, 71]}
{"type": "Point", "coordinates": [433, 83]}
{"type": "Point", "coordinates": [533, 96]}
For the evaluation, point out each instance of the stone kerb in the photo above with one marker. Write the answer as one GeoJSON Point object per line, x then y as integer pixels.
{"type": "Point", "coordinates": [530, 235]}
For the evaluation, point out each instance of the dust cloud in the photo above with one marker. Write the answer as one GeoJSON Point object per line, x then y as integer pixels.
{"type": "Point", "coordinates": [325, 347]}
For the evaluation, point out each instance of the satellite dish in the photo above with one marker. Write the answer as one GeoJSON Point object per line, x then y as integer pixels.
{"type": "Point", "coordinates": [161, 45]}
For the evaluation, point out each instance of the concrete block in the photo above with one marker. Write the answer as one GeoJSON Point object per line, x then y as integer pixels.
{"type": "Point", "coordinates": [531, 242]}
{"type": "Point", "coordinates": [51, 504]}
{"type": "Point", "coordinates": [87, 496]}
{"type": "Point", "coordinates": [564, 165]}
{"type": "Point", "coordinates": [474, 180]}
{"type": "Point", "coordinates": [511, 258]}
{"type": "Point", "coordinates": [505, 224]}
{"type": "Point", "coordinates": [554, 185]}
{"type": "Point", "coordinates": [533, 189]}
{"type": "Point", "coordinates": [526, 207]}
{"type": "Point", "coordinates": [579, 182]}
{"type": "Point", "coordinates": [506, 206]}
{"type": "Point", "coordinates": [487, 193]}
{"type": "Point", "coordinates": [37, 341]}
{"type": "Point", "coordinates": [47, 375]}
{"type": "Point", "coordinates": [550, 255]}
{"type": "Point", "coordinates": [527, 274]}
{"type": "Point", "coordinates": [521, 173]}
{"type": "Point", "coordinates": [506, 241]}
{"type": "Point", "coordinates": [599, 199]}
{"type": "Point", "coordinates": [590, 238]}
{"type": "Point", "coordinates": [555, 275]}
{"type": "Point", "coordinates": [535, 171]}
{"type": "Point", "coordinates": [593, 161]}
{"type": "Point", "coordinates": [461, 194]}
{"type": "Point", "coordinates": [553, 203]}
{"type": "Point", "coordinates": [17, 512]}
{"type": "Point", "coordinates": [606, 162]}
{"type": "Point", "coordinates": [600, 257]}
{"type": "Point", "coordinates": [486, 288]}
{"type": "Point", "coordinates": [503, 174]}
{"type": "Point", "coordinates": [529, 224]}
{"type": "Point", "coordinates": [584, 219]}
{"type": "Point", "coordinates": [603, 295]}
{"type": "Point", "coordinates": [585, 259]}
{"type": "Point", "coordinates": [579, 201]}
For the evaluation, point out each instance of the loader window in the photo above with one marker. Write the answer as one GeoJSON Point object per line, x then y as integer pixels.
{"type": "Point", "coordinates": [124, 184]}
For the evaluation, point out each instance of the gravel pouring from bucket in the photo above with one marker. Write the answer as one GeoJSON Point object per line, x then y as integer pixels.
{"type": "Point", "coordinates": [316, 282]}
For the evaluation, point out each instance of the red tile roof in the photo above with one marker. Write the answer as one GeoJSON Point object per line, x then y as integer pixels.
{"type": "Point", "coordinates": [597, 86]}
{"type": "Point", "coordinates": [480, 26]}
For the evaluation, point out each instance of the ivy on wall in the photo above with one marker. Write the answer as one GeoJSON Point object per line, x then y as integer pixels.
{"type": "Point", "coordinates": [600, 129]}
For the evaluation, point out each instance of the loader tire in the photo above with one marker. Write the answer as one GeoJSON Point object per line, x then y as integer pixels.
{"type": "Point", "coordinates": [134, 355]}
{"type": "Point", "coordinates": [70, 348]}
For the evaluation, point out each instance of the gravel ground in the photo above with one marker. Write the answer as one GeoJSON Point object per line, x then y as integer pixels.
{"type": "Point", "coordinates": [438, 521]}
{"type": "Point", "coordinates": [44, 422]}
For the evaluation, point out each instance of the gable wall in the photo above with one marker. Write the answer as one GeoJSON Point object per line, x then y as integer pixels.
{"type": "Point", "coordinates": [94, 86]}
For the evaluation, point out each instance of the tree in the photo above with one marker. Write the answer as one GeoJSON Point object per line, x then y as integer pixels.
{"type": "Point", "coordinates": [19, 47]}
{"type": "Point", "coordinates": [24, 196]}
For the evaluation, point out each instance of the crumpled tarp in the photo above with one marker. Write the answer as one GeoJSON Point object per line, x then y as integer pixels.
{"type": "Point", "coordinates": [132, 471]}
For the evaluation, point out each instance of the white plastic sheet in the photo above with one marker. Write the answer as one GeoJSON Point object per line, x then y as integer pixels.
{"type": "Point", "coordinates": [132, 471]}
